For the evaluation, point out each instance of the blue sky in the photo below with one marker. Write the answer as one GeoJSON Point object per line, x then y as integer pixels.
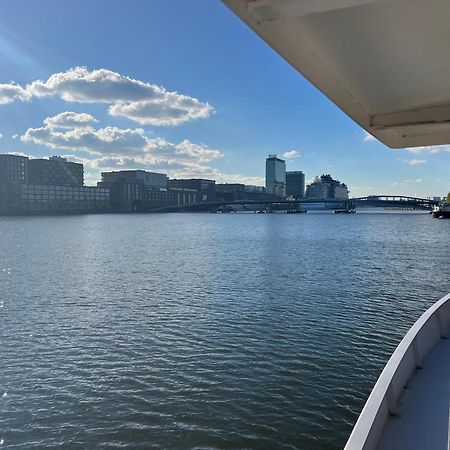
{"type": "Point", "coordinates": [181, 87]}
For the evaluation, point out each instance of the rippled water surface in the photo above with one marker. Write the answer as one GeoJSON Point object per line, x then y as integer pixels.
{"type": "Point", "coordinates": [205, 331]}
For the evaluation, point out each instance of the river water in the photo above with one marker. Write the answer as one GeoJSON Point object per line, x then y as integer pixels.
{"type": "Point", "coordinates": [183, 331]}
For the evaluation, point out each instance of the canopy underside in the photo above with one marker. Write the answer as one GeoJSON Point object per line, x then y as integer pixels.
{"type": "Point", "coordinates": [386, 63]}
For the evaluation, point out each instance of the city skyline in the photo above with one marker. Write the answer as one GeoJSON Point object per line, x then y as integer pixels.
{"type": "Point", "coordinates": [211, 103]}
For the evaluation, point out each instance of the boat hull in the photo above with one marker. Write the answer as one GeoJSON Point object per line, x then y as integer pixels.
{"type": "Point", "coordinates": [442, 212]}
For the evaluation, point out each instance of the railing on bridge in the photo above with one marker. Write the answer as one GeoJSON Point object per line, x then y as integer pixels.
{"type": "Point", "coordinates": [396, 201]}
{"type": "Point", "coordinates": [378, 201]}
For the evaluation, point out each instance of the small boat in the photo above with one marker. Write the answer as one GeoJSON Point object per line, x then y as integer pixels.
{"type": "Point", "coordinates": [442, 211]}
{"type": "Point", "coordinates": [344, 211]}
{"type": "Point", "coordinates": [296, 211]}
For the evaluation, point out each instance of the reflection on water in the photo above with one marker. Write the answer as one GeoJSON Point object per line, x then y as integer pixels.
{"type": "Point", "coordinates": [202, 330]}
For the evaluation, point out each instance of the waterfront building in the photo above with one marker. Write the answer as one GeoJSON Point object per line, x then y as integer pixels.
{"type": "Point", "coordinates": [54, 185]}
{"type": "Point", "coordinates": [139, 190]}
{"type": "Point", "coordinates": [276, 175]}
{"type": "Point", "coordinates": [206, 187]}
{"type": "Point", "coordinates": [35, 198]}
{"type": "Point", "coordinates": [239, 191]}
{"type": "Point", "coordinates": [198, 184]}
{"type": "Point", "coordinates": [55, 171]}
{"type": "Point", "coordinates": [13, 168]}
{"type": "Point", "coordinates": [129, 188]}
{"type": "Point", "coordinates": [324, 187]}
{"type": "Point", "coordinates": [170, 197]}
{"type": "Point", "coordinates": [253, 188]}
{"type": "Point", "coordinates": [148, 179]}
{"type": "Point", "coordinates": [230, 188]}
{"type": "Point", "coordinates": [295, 184]}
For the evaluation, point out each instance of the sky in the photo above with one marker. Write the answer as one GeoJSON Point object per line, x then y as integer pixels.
{"type": "Point", "coordinates": [183, 88]}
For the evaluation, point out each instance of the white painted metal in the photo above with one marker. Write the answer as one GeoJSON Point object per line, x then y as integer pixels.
{"type": "Point", "coordinates": [386, 63]}
{"type": "Point", "coordinates": [384, 399]}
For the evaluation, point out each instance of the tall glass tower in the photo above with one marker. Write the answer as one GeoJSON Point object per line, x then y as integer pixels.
{"type": "Point", "coordinates": [295, 184]}
{"type": "Point", "coordinates": [276, 175]}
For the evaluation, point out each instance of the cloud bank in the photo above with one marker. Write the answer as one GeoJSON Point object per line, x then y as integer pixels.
{"type": "Point", "coordinates": [112, 148]}
{"type": "Point", "coordinates": [139, 101]}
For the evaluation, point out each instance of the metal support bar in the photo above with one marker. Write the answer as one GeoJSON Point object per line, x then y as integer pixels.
{"type": "Point", "coordinates": [413, 117]}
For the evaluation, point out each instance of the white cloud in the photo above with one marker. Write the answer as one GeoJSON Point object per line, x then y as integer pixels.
{"type": "Point", "coordinates": [11, 92]}
{"type": "Point", "coordinates": [427, 149]}
{"type": "Point", "coordinates": [418, 180]}
{"type": "Point", "coordinates": [1, 135]}
{"type": "Point", "coordinates": [111, 147]}
{"type": "Point", "coordinates": [368, 137]}
{"type": "Point", "coordinates": [416, 162]}
{"type": "Point", "coordinates": [70, 120]}
{"type": "Point", "coordinates": [98, 86]}
{"type": "Point", "coordinates": [87, 139]}
{"type": "Point", "coordinates": [173, 109]}
{"type": "Point", "coordinates": [291, 154]}
{"type": "Point", "coordinates": [144, 103]}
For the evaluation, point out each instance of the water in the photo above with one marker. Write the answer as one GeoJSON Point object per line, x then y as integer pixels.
{"type": "Point", "coordinates": [205, 331]}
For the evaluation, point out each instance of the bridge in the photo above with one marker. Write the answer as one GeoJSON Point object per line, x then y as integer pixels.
{"type": "Point", "coordinates": [394, 201]}
{"type": "Point", "coordinates": [371, 201]}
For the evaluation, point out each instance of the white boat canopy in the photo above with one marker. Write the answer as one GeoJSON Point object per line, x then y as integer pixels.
{"type": "Point", "coordinates": [386, 63]}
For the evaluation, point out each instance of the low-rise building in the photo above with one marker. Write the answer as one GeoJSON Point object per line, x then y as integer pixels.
{"type": "Point", "coordinates": [35, 198]}
{"type": "Point", "coordinates": [198, 184]}
{"type": "Point", "coordinates": [148, 179]}
{"type": "Point", "coordinates": [44, 186]}
{"type": "Point", "coordinates": [239, 191]}
{"type": "Point", "coordinates": [138, 191]}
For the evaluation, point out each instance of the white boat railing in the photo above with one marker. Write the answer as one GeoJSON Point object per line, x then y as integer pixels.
{"type": "Point", "coordinates": [429, 329]}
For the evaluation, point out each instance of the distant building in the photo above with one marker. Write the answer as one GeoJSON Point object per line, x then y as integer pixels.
{"type": "Point", "coordinates": [230, 187]}
{"type": "Point", "coordinates": [46, 186]}
{"type": "Point", "coordinates": [199, 184]}
{"type": "Point", "coordinates": [206, 188]}
{"type": "Point", "coordinates": [253, 188]}
{"type": "Point", "coordinates": [295, 184]}
{"type": "Point", "coordinates": [170, 197]}
{"type": "Point", "coordinates": [139, 190]}
{"type": "Point", "coordinates": [40, 199]}
{"type": "Point", "coordinates": [13, 168]}
{"type": "Point", "coordinates": [55, 171]}
{"type": "Point", "coordinates": [276, 175]}
{"type": "Point", "coordinates": [147, 179]}
{"type": "Point", "coordinates": [239, 191]}
{"type": "Point", "coordinates": [324, 187]}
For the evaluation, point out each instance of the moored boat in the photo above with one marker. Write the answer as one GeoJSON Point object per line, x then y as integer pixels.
{"type": "Point", "coordinates": [442, 211]}
{"type": "Point", "coordinates": [344, 211]}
